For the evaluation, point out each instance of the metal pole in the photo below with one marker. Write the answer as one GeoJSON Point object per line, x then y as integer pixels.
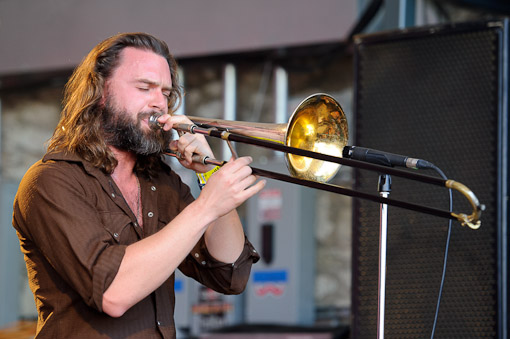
{"type": "Point", "coordinates": [281, 85]}
{"type": "Point", "coordinates": [384, 188]}
{"type": "Point", "coordinates": [229, 100]}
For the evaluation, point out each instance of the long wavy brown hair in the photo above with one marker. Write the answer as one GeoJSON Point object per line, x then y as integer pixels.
{"type": "Point", "coordinates": [79, 129]}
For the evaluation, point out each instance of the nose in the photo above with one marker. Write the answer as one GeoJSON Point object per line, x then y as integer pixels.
{"type": "Point", "coordinates": [159, 101]}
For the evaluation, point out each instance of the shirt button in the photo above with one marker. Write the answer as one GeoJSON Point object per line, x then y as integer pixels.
{"type": "Point", "coordinates": [116, 235]}
{"type": "Point", "coordinates": [136, 224]}
{"type": "Point", "coordinates": [197, 255]}
{"type": "Point", "coordinates": [203, 262]}
{"type": "Point", "coordinates": [159, 323]}
{"type": "Point", "coordinates": [113, 195]}
{"type": "Point", "coordinates": [153, 188]}
{"type": "Point", "coordinates": [150, 214]}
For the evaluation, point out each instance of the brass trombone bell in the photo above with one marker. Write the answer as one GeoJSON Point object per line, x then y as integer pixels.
{"type": "Point", "coordinates": [318, 124]}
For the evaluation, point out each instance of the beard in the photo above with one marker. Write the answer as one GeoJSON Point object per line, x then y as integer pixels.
{"type": "Point", "coordinates": [124, 133]}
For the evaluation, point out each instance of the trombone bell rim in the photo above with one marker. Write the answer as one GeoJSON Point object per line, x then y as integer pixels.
{"type": "Point", "coordinates": [318, 124]}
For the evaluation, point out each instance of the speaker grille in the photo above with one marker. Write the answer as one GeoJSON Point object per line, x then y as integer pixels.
{"type": "Point", "coordinates": [429, 94]}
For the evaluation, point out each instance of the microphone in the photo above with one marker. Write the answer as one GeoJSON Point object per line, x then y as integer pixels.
{"type": "Point", "coordinates": [384, 158]}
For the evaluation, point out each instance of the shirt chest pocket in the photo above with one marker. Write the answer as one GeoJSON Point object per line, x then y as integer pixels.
{"type": "Point", "coordinates": [120, 227]}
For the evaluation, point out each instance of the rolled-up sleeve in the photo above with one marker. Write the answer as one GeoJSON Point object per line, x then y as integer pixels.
{"type": "Point", "coordinates": [227, 278]}
{"type": "Point", "coordinates": [57, 216]}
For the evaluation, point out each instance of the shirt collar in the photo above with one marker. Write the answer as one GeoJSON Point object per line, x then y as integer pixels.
{"type": "Point", "coordinates": [72, 157]}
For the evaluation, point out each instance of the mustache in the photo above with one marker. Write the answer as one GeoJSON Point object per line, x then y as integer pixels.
{"type": "Point", "coordinates": [147, 115]}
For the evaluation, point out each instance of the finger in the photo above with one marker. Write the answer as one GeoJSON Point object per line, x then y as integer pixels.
{"type": "Point", "coordinates": [167, 121]}
{"type": "Point", "coordinates": [235, 172]}
{"type": "Point", "coordinates": [248, 181]}
{"type": "Point", "coordinates": [253, 189]}
{"type": "Point", "coordinates": [235, 164]}
{"type": "Point", "coordinates": [243, 172]}
{"type": "Point", "coordinates": [179, 119]}
{"type": "Point", "coordinates": [174, 147]}
{"type": "Point", "coordinates": [162, 121]}
{"type": "Point", "coordinates": [193, 147]}
{"type": "Point", "coordinates": [189, 151]}
{"type": "Point", "coordinates": [197, 144]}
{"type": "Point", "coordinates": [183, 142]}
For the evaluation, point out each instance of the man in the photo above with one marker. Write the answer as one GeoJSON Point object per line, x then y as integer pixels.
{"type": "Point", "coordinates": [103, 222]}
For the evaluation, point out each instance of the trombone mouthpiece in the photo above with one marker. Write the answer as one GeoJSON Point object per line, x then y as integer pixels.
{"type": "Point", "coordinates": [154, 123]}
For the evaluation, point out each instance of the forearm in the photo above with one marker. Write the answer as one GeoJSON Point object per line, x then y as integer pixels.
{"type": "Point", "coordinates": [225, 238]}
{"type": "Point", "coordinates": [149, 262]}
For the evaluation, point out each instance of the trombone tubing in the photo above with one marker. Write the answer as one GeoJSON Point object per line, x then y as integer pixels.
{"type": "Point", "coordinates": [353, 193]}
{"type": "Point", "coordinates": [330, 188]}
{"type": "Point", "coordinates": [213, 132]}
{"type": "Point", "coordinates": [470, 220]}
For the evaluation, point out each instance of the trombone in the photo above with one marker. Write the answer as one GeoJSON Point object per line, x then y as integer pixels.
{"type": "Point", "coordinates": [313, 142]}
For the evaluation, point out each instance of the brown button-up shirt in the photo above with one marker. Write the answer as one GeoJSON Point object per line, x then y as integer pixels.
{"type": "Point", "coordinates": [74, 226]}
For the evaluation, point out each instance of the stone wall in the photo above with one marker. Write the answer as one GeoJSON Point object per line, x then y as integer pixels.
{"type": "Point", "coordinates": [28, 118]}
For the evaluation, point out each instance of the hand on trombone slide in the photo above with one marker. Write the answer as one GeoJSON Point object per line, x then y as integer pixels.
{"type": "Point", "coordinates": [230, 186]}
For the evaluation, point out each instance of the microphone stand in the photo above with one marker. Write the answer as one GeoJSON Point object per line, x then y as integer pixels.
{"type": "Point", "coordinates": [384, 188]}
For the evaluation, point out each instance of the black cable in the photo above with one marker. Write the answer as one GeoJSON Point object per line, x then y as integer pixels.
{"type": "Point", "coordinates": [368, 15]}
{"type": "Point", "coordinates": [438, 170]}
{"type": "Point", "coordinates": [439, 5]}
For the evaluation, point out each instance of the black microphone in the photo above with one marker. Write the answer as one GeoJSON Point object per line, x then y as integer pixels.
{"type": "Point", "coordinates": [384, 158]}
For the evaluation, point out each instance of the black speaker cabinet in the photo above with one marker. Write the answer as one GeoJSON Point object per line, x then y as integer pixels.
{"type": "Point", "coordinates": [440, 94]}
